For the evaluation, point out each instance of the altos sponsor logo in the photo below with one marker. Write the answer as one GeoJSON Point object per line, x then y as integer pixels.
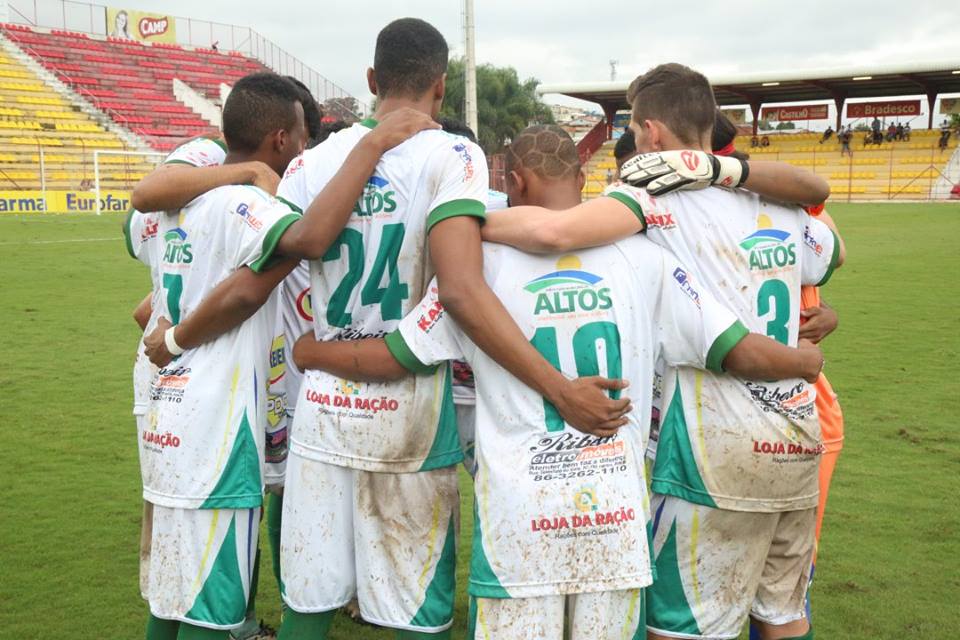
{"type": "Point", "coordinates": [620, 516]}
{"type": "Point", "coordinates": [430, 314]}
{"type": "Point", "coordinates": [376, 198]}
{"type": "Point", "coordinates": [768, 247]}
{"type": "Point", "coordinates": [162, 440]}
{"type": "Point", "coordinates": [153, 26]}
{"type": "Point", "coordinates": [177, 250]}
{"type": "Point", "coordinates": [467, 159]}
{"type": "Point", "coordinates": [684, 281]}
{"type": "Point", "coordinates": [372, 405]}
{"type": "Point", "coordinates": [785, 448]}
{"type": "Point", "coordinates": [252, 221]}
{"type": "Point", "coordinates": [568, 290]}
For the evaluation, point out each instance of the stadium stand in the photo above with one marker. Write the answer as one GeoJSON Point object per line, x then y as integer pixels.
{"type": "Point", "coordinates": [133, 82]}
{"type": "Point", "coordinates": [893, 170]}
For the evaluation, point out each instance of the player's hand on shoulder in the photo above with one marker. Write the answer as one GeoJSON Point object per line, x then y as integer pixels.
{"type": "Point", "coordinates": [264, 177]}
{"type": "Point", "coordinates": [399, 126]}
{"type": "Point", "coordinates": [811, 360]}
{"type": "Point", "coordinates": [663, 172]}
{"type": "Point", "coordinates": [585, 406]}
{"type": "Point", "coordinates": [819, 323]}
{"type": "Point", "coordinates": [156, 346]}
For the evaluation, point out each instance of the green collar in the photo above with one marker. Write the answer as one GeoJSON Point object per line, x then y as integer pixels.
{"type": "Point", "coordinates": [369, 123]}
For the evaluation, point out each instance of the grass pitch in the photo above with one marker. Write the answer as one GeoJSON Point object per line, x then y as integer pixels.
{"type": "Point", "coordinates": [69, 520]}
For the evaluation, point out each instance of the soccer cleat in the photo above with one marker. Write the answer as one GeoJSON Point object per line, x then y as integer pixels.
{"type": "Point", "coordinates": [260, 632]}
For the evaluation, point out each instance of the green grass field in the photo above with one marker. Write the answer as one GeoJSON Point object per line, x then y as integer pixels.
{"type": "Point", "coordinates": [69, 520]}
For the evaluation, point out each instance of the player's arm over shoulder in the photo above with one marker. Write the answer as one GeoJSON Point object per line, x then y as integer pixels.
{"type": "Point", "coordinates": [600, 221]}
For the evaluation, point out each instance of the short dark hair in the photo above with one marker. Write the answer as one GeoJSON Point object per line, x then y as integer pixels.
{"type": "Point", "coordinates": [327, 129]}
{"type": "Point", "coordinates": [677, 96]}
{"type": "Point", "coordinates": [410, 56]}
{"type": "Point", "coordinates": [312, 112]}
{"type": "Point", "coordinates": [458, 128]}
{"type": "Point", "coordinates": [258, 104]}
{"type": "Point", "coordinates": [546, 150]}
{"type": "Point", "coordinates": [724, 131]}
{"type": "Point", "coordinates": [626, 146]}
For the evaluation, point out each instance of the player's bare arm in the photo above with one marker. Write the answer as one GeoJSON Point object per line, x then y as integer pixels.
{"type": "Point", "coordinates": [172, 186]}
{"type": "Point", "coordinates": [329, 212]}
{"type": "Point", "coordinates": [368, 360]}
{"type": "Point", "coordinates": [141, 315]}
{"type": "Point", "coordinates": [537, 230]}
{"type": "Point", "coordinates": [786, 183]}
{"type": "Point", "coordinates": [228, 306]}
{"type": "Point", "coordinates": [458, 259]}
{"type": "Point", "coordinates": [757, 357]}
{"type": "Point", "coordinates": [819, 322]}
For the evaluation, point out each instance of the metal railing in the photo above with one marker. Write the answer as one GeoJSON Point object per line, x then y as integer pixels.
{"type": "Point", "coordinates": [86, 17]}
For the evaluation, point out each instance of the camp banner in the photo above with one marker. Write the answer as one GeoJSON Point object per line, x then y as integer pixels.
{"type": "Point", "coordinates": [949, 105]}
{"type": "Point", "coordinates": [63, 202]}
{"type": "Point", "coordinates": [806, 112]}
{"type": "Point", "coordinates": [129, 24]}
{"type": "Point", "coordinates": [736, 116]}
{"type": "Point", "coordinates": [886, 109]}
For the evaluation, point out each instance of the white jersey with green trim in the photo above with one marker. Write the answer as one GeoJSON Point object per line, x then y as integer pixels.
{"type": "Point", "coordinates": [372, 276]}
{"type": "Point", "coordinates": [199, 152]}
{"type": "Point", "coordinates": [725, 442]}
{"type": "Point", "coordinates": [201, 444]}
{"type": "Point", "coordinates": [558, 511]}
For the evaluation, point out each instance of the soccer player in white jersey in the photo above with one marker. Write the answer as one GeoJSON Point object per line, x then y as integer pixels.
{"type": "Point", "coordinates": [371, 488]}
{"type": "Point", "coordinates": [206, 482]}
{"type": "Point", "coordinates": [736, 466]}
{"type": "Point", "coordinates": [561, 517]}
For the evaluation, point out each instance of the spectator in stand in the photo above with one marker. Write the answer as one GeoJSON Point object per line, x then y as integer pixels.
{"type": "Point", "coordinates": [906, 132]}
{"type": "Point", "coordinates": [845, 137]}
{"type": "Point", "coordinates": [875, 126]}
{"type": "Point", "coordinates": [827, 134]}
{"type": "Point", "coordinates": [944, 135]}
{"type": "Point", "coordinates": [625, 149]}
{"type": "Point", "coordinates": [891, 132]}
{"type": "Point", "coordinates": [609, 176]}
{"type": "Point", "coordinates": [754, 142]}
{"type": "Point", "coordinates": [955, 192]}
{"type": "Point", "coordinates": [765, 141]}
{"type": "Point", "coordinates": [215, 45]}
{"type": "Point", "coordinates": [899, 135]}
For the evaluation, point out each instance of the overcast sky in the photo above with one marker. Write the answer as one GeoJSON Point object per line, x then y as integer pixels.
{"type": "Point", "coordinates": [573, 40]}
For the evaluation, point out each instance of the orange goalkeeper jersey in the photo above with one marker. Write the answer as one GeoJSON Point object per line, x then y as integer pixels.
{"type": "Point", "coordinates": [828, 408]}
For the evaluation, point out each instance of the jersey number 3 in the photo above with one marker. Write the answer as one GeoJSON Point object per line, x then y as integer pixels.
{"type": "Point", "coordinates": [774, 296]}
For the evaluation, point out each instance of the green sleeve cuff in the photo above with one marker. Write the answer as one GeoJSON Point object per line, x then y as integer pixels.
{"type": "Point", "coordinates": [631, 204]}
{"type": "Point", "coordinates": [833, 260]}
{"type": "Point", "coordinates": [454, 208]}
{"type": "Point", "coordinates": [189, 164]}
{"type": "Point", "coordinates": [126, 233]}
{"type": "Point", "coordinates": [725, 343]}
{"type": "Point", "coordinates": [399, 349]}
{"type": "Point", "coordinates": [290, 204]}
{"type": "Point", "coordinates": [271, 240]}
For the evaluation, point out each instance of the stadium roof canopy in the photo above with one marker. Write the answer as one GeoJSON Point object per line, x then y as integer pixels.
{"type": "Point", "coordinates": [755, 89]}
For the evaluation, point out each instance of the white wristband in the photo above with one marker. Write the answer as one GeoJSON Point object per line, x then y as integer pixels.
{"type": "Point", "coordinates": [171, 343]}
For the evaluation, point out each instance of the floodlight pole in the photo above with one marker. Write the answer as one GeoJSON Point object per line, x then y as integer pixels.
{"type": "Point", "coordinates": [470, 68]}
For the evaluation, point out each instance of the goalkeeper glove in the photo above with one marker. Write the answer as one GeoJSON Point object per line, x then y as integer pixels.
{"type": "Point", "coordinates": [667, 171]}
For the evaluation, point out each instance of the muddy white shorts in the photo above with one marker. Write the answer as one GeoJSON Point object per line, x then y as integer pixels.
{"type": "Point", "coordinates": [200, 564]}
{"type": "Point", "coordinates": [388, 538]}
{"type": "Point", "coordinates": [606, 615]}
{"type": "Point", "coordinates": [715, 567]}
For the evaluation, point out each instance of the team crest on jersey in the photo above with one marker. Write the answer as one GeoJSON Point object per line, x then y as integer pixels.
{"type": "Point", "coordinates": [305, 305]}
{"type": "Point", "coordinates": [348, 387]}
{"type": "Point", "coordinates": [585, 499]}
{"type": "Point", "coordinates": [768, 248]}
{"type": "Point", "coordinates": [177, 249]}
{"type": "Point", "coordinates": [568, 290]}
{"type": "Point", "coordinates": [377, 198]}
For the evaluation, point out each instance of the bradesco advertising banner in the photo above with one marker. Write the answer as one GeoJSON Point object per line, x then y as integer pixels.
{"type": "Point", "coordinates": [887, 109]}
{"type": "Point", "coordinates": [805, 112]}
{"type": "Point", "coordinates": [143, 26]}
{"type": "Point", "coordinates": [63, 202]}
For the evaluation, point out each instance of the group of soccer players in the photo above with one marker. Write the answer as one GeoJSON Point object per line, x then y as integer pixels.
{"type": "Point", "coordinates": [304, 337]}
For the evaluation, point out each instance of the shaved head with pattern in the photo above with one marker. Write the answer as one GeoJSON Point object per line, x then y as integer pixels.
{"type": "Point", "coordinates": [546, 150]}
